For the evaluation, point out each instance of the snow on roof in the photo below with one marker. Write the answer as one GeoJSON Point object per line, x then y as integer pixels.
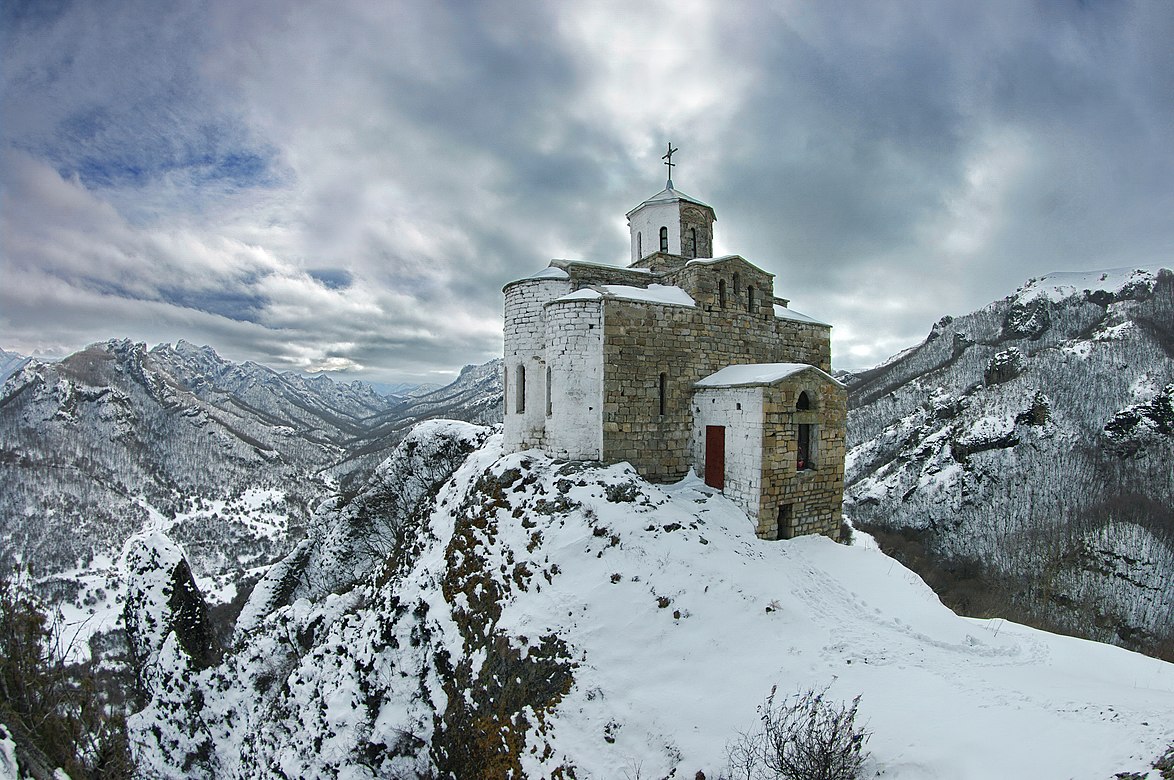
{"type": "Point", "coordinates": [668, 195]}
{"type": "Point", "coordinates": [1059, 286]}
{"type": "Point", "coordinates": [594, 264]}
{"type": "Point", "coordinates": [586, 294]}
{"type": "Point", "coordinates": [712, 260]}
{"type": "Point", "coordinates": [756, 374]}
{"type": "Point", "coordinates": [653, 293]}
{"type": "Point", "coordinates": [550, 272]}
{"type": "Point", "coordinates": [783, 313]}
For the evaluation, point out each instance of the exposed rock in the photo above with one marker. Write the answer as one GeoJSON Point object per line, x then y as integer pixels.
{"type": "Point", "coordinates": [1003, 367]}
{"type": "Point", "coordinates": [1133, 426]}
{"type": "Point", "coordinates": [162, 599]}
{"type": "Point", "coordinates": [939, 327]}
{"type": "Point", "coordinates": [1037, 414]}
{"type": "Point", "coordinates": [961, 343]}
{"type": "Point", "coordinates": [1027, 320]}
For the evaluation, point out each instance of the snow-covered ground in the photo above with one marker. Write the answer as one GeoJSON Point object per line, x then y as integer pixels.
{"type": "Point", "coordinates": [674, 622]}
{"type": "Point", "coordinates": [100, 583]}
{"type": "Point", "coordinates": [1061, 285]}
{"type": "Point", "coordinates": [944, 696]}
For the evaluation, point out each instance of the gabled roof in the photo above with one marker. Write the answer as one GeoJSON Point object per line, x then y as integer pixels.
{"type": "Point", "coordinates": [755, 374]}
{"type": "Point", "coordinates": [704, 261]}
{"type": "Point", "coordinates": [669, 195]}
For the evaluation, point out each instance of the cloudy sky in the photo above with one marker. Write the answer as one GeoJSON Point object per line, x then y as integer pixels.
{"type": "Point", "coordinates": [345, 186]}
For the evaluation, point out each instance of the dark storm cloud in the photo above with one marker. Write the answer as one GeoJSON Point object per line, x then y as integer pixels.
{"type": "Point", "coordinates": [900, 161]}
{"type": "Point", "coordinates": [347, 187]}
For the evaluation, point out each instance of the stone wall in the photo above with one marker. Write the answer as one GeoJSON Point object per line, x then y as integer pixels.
{"type": "Point", "coordinates": [739, 410]}
{"type": "Point", "coordinates": [696, 220]}
{"type": "Point", "coordinates": [701, 279]}
{"type": "Point", "coordinates": [525, 347]}
{"type": "Point", "coordinates": [810, 341]}
{"type": "Point", "coordinates": [815, 495]}
{"type": "Point", "coordinates": [574, 357]}
{"type": "Point", "coordinates": [660, 262]}
{"type": "Point", "coordinates": [643, 340]}
{"type": "Point", "coordinates": [789, 341]}
{"type": "Point", "coordinates": [584, 274]}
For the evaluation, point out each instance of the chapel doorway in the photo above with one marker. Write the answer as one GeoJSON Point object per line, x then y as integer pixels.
{"type": "Point", "coordinates": [715, 456]}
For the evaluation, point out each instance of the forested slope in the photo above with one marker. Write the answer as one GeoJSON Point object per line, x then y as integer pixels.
{"type": "Point", "coordinates": [1020, 458]}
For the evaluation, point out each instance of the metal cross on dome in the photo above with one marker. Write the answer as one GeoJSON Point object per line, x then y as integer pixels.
{"type": "Point", "coordinates": [669, 162]}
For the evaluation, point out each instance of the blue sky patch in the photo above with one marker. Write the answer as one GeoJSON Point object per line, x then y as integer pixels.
{"type": "Point", "coordinates": [332, 278]}
{"type": "Point", "coordinates": [236, 304]}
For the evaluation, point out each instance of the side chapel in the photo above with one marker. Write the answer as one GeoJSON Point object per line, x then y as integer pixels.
{"type": "Point", "coordinates": [680, 361]}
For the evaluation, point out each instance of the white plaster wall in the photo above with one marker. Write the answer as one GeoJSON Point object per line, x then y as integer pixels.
{"type": "Point", "coordinates": [719, 406]}
{"type": "Point", "coordinates": [649, 221]}
{"type": "Point", "coordinates": [574, 353]}
{"type": "Point", "coordinates": [525, 344]}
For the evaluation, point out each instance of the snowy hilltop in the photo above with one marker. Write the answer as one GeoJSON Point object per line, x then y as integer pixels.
{"type": "Point", "coordinates": [1019, 458]}
{"type": "Point", "coordinates": [469, 614]}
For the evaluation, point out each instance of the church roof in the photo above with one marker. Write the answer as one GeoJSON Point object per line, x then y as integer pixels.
{"type": "Point", "coordinates": [550, 272]}
{"type": "Point", "coordinates": [757, 374]}
{"type": "Point", "coordinates": [653, 293]}
{"type": "Point", "coordinates": [783, 313]}
{"type": "Point", "coordinates": [668, 195]}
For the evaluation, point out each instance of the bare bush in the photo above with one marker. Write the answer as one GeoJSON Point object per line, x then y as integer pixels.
{"type": "Point", "coordinates": [802, 737]}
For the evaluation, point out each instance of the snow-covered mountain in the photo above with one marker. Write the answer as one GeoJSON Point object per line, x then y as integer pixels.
{"type": "Point", "coordinates": [404, 389]}
{"type": "Point", "coordinates": [228, 459]}
{"type": "Point", "coordinates": [317, 405]}
{"type": "Point", "coordinates": [118, 438]}
{"type": "Point", "coordinates": [1020, 458]}
{"type": "Point", "coordinates": [10, 363]}
{"type": "Point", "coordinates": [474, 396]}
{"type": "Point", "coordinates": [473, 614]}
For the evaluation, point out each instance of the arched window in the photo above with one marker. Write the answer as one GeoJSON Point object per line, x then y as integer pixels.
{"type": "Point", "coordinates": [750, 299]}
{"type": "Point", "coordinates": [805, 455]}
{"type": "Point", "coordinates": [549, 407]}
{"type": "Point", "coordinates": [520, 390]}
{"type": "Point", "coordinates": [664, 389]}
{"type": "Point", "coordinates": [805, 449]}
{"type": "Point", "coordinates": [664, 239]}
{"type": "Point", "coordinates": [692, 242]}
{"type": "Point", "coordinates": [721, 293]}
{"type": "Point", "coordinates": [737, 285]}
{"type": "Point", "coordinates": [639, 247]}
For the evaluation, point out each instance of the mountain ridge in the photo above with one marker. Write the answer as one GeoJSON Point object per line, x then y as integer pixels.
{"type": "Point", "coordinates": [1019, 456]}
{"type": "Point", "coordinates": [230, 458]}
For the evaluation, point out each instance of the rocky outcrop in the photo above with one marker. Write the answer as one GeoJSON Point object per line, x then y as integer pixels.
{"type": "Point", "coordinates": [1003, 367]}
{"type": "Point", "coordinates": [163, 600]}
{"type": "Point", "coordinates": [1133, 427]}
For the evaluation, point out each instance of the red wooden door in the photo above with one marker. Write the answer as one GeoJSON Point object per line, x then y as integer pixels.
{"type": "Point", "coordinates": [715, 456]}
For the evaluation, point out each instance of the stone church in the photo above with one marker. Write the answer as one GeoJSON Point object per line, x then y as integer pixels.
{"type": "Point", "coordinates": [680, 361]}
